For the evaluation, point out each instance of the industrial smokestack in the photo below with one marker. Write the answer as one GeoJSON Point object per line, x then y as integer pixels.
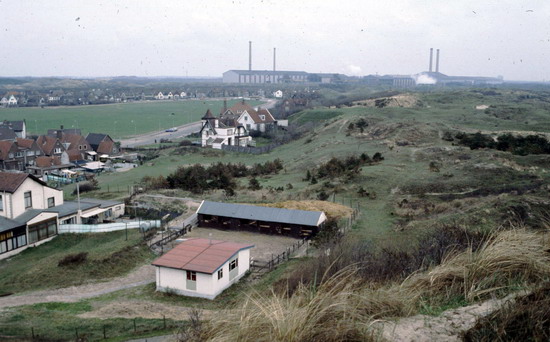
{"type": "Point", "coordinates": [274, 57]}
{"type": "Point", "coordinates": [437, 60]}
{"type": "Point", "coordinates": [250, 55]}
{"type": "Point", "coordinates": [431, 58]}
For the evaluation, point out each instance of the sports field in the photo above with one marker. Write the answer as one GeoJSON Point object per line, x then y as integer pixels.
{"type": "Point", "coordinates": [118, 120]}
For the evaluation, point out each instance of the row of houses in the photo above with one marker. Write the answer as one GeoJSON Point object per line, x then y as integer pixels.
{"type": "Point", "coordinates": [233, 126]}
{"type": "Point", "coordinates": [31, 212]}
{"type": "Point", "coordinates": [57, 149]}
{"type": "Point", "coordinates": [171, 96]}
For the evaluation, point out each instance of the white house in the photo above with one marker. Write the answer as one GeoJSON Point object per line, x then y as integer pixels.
{"type": "Point", "coordinates": [202, 267]}
{"type": "Point", "coordinates": [24, 220]}
{"type": "Point", "coordinates": [159, 96]}
{"type": "Point", "coordinates": [12, 101]}
{"type": "Point", "coordinates": [4, 102]}
{"type": "Point", "coordinates": [170, 96]}
{"type": "Point", "coordinates": [215, 133]}
{"type": "Point", "coordinates": [254, 120]}
{"type": "Point", "coordinates": [183, 94]}
{"type": "Point", "coordinates": [31, 211]}
{"type": "Point", "coordinates": [278, 94]}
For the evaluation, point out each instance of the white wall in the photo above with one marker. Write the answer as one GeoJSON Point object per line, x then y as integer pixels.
{"type": "Point", "coordinates": [39, 195]}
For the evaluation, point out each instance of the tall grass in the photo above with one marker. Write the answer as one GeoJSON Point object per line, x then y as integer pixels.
{"type": "Point", "coordinates": [342, 306]}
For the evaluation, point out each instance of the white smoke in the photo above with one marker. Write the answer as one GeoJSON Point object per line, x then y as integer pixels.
{"type": "Point", "coordinates": [425, 79]}
{"type": "Point", "coordinates": [354, 70]}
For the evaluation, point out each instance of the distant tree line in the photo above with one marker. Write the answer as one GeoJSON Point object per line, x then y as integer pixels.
{"type": "Point", "coordinates": [520, 145]}
{"type": "Point", "coordinates": [197, 178]}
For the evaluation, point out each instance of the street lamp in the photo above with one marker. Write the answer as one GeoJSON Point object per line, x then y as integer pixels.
{"type": "Point", "coordinates": [135, 129]}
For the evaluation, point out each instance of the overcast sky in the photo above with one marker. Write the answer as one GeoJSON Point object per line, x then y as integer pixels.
{"type": "Point", "coordinates": [207, 37]}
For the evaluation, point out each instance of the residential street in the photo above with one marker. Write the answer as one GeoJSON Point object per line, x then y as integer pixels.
{"type": "Point", "coordinates": [184, 130]}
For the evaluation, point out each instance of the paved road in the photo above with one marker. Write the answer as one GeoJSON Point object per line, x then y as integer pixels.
{"type": "Point", "coordinates": [152, 137]}
{"type": "Point", "coordinates": [183, 131]}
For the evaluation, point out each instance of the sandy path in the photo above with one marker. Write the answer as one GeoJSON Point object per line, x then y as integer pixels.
{"type": "Point", "coordinates": [141, 276]}
{"type": "Point", "coordinates": [447, 327]}
{"type": "Point", "coordinates": [141, 308]}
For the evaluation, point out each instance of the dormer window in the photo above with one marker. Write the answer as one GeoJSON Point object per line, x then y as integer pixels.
{"type": "Point", "coordinates": [262, 117]}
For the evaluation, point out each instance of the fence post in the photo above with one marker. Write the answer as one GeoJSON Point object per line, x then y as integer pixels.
{"type": "Point", "coordinates": [104, 333]}
{"type": "Point", "coordinates": [135, 328]}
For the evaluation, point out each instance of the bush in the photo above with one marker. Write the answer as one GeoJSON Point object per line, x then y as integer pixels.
{"type": "Point", "coordinates": [73, 259]}
{"type": "Point", "coordinates": [253, 184]}
{"type": "Point", "coordinates": [87, 186]}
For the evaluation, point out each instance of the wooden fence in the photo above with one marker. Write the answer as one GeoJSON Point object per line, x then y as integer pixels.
{"type": "Point", "coordinates": [260, 266]}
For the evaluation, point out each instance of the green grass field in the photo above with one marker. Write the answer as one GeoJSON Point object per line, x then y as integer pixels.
{"type": "Point", "coordinates": [118, 120]}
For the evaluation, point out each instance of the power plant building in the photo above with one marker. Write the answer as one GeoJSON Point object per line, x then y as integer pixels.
{"type": "Point", "coordinates": [264, 76]}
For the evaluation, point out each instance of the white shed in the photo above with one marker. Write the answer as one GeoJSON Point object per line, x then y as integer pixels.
{"type": "Point", "coordinates": [202, 267]}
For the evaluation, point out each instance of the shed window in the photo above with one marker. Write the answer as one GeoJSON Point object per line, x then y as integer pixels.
{"type": "Point", "coordinates": [51, 202]}
{"type": "Point", "coordinates": [233, 264]}
{"type": "Point", "coordinates": [220, 273]}
{"type": "Point", "coordinates": [192, 275]}
{"type": "Point", "coordinates": [1, 203]}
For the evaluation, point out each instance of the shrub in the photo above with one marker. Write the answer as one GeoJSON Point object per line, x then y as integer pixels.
{"type": "Point", "coordinates": [253, 184]}
{"type": "Point", "coordinates": [73, 259]}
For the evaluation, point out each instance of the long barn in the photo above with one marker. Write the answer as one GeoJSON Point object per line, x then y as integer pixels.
{"type": "Point", "coordinates": [289, 222]}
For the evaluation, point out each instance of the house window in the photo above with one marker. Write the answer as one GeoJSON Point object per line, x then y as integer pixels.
{"type": "Point", "coordinates": [1, 203]}
{"type": "Point", "coordinates": [57, 150]}
{"type": "Point", "coordinates": [192, 275]}
{"type": "Point", "coordinates": [220, 273]}
{"type": "Point", "coordinates": [246, 118]}
{"type": "Point", "coordinates": [30, 153]}
{"type": "Point", "coordinates": [51, 202]}
{"type": "Point", "coordinates": [42, 230]}
{"type": "Point", "coordinates": [10, 155]}
{"type": "Point", "coordinates": [229, 131]}
{"type": "Point", "coordinates": [233, 264]}
{"type": "Point", "coordinates": [262, 117]}
{"type": "Point", "coordinates": [19, 154]}
{"type": "Point", "coordinates": [28, 199]}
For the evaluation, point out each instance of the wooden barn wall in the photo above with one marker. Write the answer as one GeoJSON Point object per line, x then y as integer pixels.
{"type": "Point", "coordinates": [265, 227]}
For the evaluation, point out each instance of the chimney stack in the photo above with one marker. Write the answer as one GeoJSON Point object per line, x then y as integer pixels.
{"type": "Point", "coordinates": [250, 56]}
{"type": "Point", "coordinates": [437, 60]}
{"type": "Point", "coordinates": [274, 57]}
{"type": "Point", "coordinates": [431, 58]}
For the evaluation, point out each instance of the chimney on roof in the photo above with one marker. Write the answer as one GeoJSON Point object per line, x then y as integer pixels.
{"type": "Point", "coordinates": [224, 105]}
{"type": "Point", "coordinates": [250, 56]}
{"type": "Point", "coordinates": [274, 57]}
{"type": "Point", "coordinates": [431, 58]}
{"type": "Point", "coordinates": [437, 60]}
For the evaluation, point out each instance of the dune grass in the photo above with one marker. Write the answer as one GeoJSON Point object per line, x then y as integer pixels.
{"type": "Point", "coordinates": [344, 306]}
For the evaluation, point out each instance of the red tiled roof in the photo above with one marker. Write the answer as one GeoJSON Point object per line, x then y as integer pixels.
{"type": "Point", "coordinates": [47, 161]}
{"type": "Point", "coordinates": [105, 147]}
{"type": "Point", "coordinates": [10, 182]}
{"type": "Point", "coordinates": [268, 116]}
{"type": "Point", "coordinates": [240, 107]}
{"type": "Point", "coordinates": [25, 143]}
{"type": "Point", "coordinates": [46, 143]}
{"type": "Point", "coordinates": [5, 147]}
{"type": "Point", "coordinates": [200, 255]}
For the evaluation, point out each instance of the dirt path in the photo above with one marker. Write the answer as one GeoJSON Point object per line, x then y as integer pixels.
{"type": "Point", "coordinates": [447, 327]}
{"type": "Point", "coordinates": [141, 276]}
{"type": "Point", "coordinates": [140, 308]}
